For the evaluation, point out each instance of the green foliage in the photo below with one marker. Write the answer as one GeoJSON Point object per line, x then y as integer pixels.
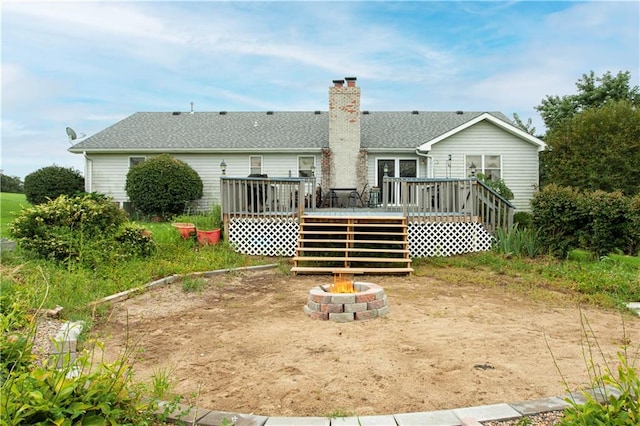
{"type": "Point", "coordinates": [593, 92]}
{"type": "Point", "coordinates": [499, 186]}
{"type": "Point", "coordinates": [50, 182]}
{"type": "Point", "coordinates": [193, 285]}
{"type": "Point", "coordinates": [104, 395]}
{"type": "Point", "coordinates": [598, 149]}
{"type": "Point", "coordinates": [557, 218]}
{"type": "Point", "coordinates": [134, 240]}
{"type": "Point", "coordinates": [163, 186]}
{"type": "Point", "coordinates": [207, 221]}
{"type": "Point", "coordinates": [525, 127]}
{"type": "Point", "coordinates": [62, 228]}
{"type": "Point", "coordinates": [632, 234]}
{"type": "Point", "coordinates": [517, 242]}
{"type": "Point", "coordinates": [619, 387]}
{"type": "Point", "coordinates": [523, 219]}
{"type": "Point", "coordinates": [596, 221]}
{"type": "Point", "coordinates": [606, 227]}
{"type": "Point", "coordinates": [12, 184]}
{"type": "Point", "coordinates": [17, 330]}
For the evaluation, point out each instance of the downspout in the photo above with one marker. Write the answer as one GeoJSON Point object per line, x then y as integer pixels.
{"type": "Point", "coordinates": [88, 172]}
{"type": "Point", "coordinates": [429, 162]}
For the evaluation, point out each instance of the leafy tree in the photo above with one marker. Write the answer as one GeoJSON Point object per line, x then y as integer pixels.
{"type": "Point", "coordinates": [526, 127]}
{"type": "Point", "coordinates": [11, 184]}
{"type": "Point", "coordinates": [48, 183]}
{"type": "Point", "coordinates": [593, 92]}
{"type": "Point", "coordinates": [163, 185]}
{"type": "Point", "coordinates": [598, 149]}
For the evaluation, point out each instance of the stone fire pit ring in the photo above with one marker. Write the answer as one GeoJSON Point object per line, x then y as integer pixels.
{"type": "Point", "coordinates": [367, 302]}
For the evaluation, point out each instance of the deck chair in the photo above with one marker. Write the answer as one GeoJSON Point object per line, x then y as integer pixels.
{"type": "Point", "coordinates": [356, 197]}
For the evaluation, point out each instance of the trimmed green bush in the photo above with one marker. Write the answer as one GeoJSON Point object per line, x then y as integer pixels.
{"type": "Point", "coordinates": [163, 186]}
{"type": "Point", "coordinates": [48, 183]}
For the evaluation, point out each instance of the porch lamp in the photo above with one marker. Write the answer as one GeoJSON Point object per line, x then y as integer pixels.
{"type": "Point", "coordinates": [472, 167]}
{"type": "Point", "coordinates": [223, 167]}
{"type": "Point", "coordinates": [313, 170]}
{"type": "Point", "coordinates": [385, 170]}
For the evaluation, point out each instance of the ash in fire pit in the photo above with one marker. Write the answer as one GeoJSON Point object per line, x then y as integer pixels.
{"type": "Point", "coordinates": [346, 300]}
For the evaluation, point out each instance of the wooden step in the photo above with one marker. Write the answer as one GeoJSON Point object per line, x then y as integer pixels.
{"type": "Point", "coordinates": [350, 250]}
{"type": "Point", "coordinates": [324, 270]}
{"type": "Point", "coordinates": [350, 259]}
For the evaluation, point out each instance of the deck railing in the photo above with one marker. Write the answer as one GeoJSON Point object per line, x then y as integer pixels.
{"type": "Point", "coordinates": [251, 196]}
{"type": "Point", "coordinates": [447, 199]}
{"type": "Point", "coordinates": [415, 198]}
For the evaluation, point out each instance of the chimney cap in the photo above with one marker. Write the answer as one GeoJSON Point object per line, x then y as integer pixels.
{"type": "Point", "coordinates": [350, 78]}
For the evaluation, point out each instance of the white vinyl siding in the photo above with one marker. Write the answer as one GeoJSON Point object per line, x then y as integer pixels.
{"type": "Point", "coordinates": [519, 158]}
{"type": "Point", "coordinates": [108, 172]}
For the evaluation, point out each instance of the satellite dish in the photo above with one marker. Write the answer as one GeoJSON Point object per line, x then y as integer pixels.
{"type": "Point", "coordinates": [73, 135]}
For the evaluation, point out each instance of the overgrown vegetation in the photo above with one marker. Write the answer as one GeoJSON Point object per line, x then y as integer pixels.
{"type": "Point", "coordinates": [615, 395]}
{"type": "Point", "coordinates": [87, 229]}
{"type": "Point", "coordinates": [163, 186]}
{"type": "Point", "coordinates": [48, 183]}
{"type": "Point", "coordinates": [567, 218]}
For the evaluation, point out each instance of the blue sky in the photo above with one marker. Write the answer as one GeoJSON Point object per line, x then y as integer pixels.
{"type": "Point", "coordinates": [89, 64]}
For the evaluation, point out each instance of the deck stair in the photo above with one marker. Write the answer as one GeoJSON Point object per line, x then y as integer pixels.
{"type": "Point", "coordinates": [364, 244]}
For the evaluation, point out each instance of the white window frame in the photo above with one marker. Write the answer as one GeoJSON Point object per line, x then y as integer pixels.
{"type": "Point", "coordinates": [260, 157]}
{"type": "Point", "coordinates": [482, 167]}
{"type": "Point", "coordinates": [313, 164]}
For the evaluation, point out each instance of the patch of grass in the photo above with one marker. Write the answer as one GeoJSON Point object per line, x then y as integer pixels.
{"type": "Point", "coordinates": [193, 284]}
{"type": "Point", "coordinates": [10, 206]}
{"type": "Point", "coordinates": [339, 412]}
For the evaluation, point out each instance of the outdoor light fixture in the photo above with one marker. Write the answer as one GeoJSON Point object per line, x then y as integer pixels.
{"type": "Point", "coordinates": [385, 169]}
{"type": "Point", "coordinates": [472, 167]}
{"type": "Point", "coordinates": [223, 167]}
{"type": "Point", "coordinates": [313, 170]}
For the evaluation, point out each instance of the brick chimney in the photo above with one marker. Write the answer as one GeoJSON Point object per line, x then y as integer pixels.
{"type": "Point", "coordinates": [344, 134]}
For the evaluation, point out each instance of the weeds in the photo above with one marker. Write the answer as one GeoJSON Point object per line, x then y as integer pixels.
{"type": "Point", "coordinates": [193, 284]}
{"type": "Point", "coordinates": [615, 395]}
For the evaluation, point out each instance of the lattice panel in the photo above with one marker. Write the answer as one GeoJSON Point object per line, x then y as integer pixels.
{"type": "Point", "coordinates": [263, 236]}
{"type": "Point", "coordinates": [446, 238]}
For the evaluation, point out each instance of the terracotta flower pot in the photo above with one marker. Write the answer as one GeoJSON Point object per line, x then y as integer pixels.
{"type": "Point", "coordinates": [186, 229]}
{"type": "Point", "coordinates": [208, 237]}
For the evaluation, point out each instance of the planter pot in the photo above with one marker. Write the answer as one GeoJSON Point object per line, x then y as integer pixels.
{"type": "Point", "coordinates": [186, 229]}
{"type": "Point", "coordinates": [208, 237]}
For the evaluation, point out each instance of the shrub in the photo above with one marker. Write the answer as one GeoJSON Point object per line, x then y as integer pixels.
{"type": "Point", "coordinates": [163, 186]}
{"type": "Point", "coordinates": [11, 184]}
{"type": "Point", "coordinates": [87, 229]}
{"type": "Point", "coordinates": [606, 226]}
{"type": "Point", "coordinates": [632, 232]}
{"type": "Point", "coordinates": [558, 218]}
{"type": "Point", "coordinates": [48, 183]}
{"type": "Point", "coordinates": [523, 219]}
{"type": "Point", "coordinates": [499, 186]}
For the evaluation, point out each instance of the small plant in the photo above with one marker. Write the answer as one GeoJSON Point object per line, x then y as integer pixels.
{"type": "Point", "coordinates": [517, 242]}
{"type": "Point", "coordinates": [193, 285]}
{"type": "Point", "coordinates": [161, 383]}
{"type": "Point", "coordinates": [619, 387]}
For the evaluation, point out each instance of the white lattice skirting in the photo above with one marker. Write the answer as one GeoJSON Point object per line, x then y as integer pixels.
{"type": "Point", "coordinates": [428, 239]}
{"type": "Point", "coordinates": [264, 236]}
{"type": "Point", "coordinates": [279, 237]}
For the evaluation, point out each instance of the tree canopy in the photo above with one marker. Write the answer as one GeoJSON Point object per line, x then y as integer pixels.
{"type": "Point", "coordinates": [593, 92]}
{"type": "Point", "coordinates": [597, 149]}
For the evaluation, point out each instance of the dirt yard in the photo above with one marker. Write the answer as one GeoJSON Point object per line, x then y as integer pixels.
{"type": "Point", "coordinates": [243, 344]}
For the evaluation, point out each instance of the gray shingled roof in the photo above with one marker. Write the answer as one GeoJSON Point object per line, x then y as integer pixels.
{"type": "Point", "coordinates": [264, 131]}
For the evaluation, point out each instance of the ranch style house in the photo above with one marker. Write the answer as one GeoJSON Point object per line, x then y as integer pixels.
{"type": "Point", "coordinates": [282, 166]}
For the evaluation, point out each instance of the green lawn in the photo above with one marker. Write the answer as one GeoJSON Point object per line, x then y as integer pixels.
{"type": "Point", "coordinates": [10, 205]}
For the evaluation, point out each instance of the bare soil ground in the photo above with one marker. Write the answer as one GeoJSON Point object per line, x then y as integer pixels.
{"type": "Point", "coordinates": [243, 344]}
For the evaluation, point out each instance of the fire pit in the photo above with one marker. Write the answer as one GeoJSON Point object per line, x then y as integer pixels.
{"type": "Point", "coordinates": [346, 300]}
